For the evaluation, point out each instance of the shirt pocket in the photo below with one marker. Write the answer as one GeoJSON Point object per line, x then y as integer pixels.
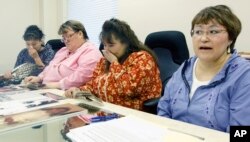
{"type": "Point", "coordinates": [222, 111]}
{"type": "Point", "coordinates": [218, 113]}
{"type": "Point", "coordinates": [178, 102]}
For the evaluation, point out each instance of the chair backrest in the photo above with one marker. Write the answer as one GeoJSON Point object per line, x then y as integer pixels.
{"type": "Point", "coordinates": [56, 44]}
{"type": "Point", "coordinates": [171, 49]}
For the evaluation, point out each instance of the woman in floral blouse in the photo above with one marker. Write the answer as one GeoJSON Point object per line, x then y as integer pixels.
{"type": "Point", "coordinates": [128, 74]}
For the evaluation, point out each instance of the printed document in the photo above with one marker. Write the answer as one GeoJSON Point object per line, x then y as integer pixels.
{"type": "Point", "coordinates": [128, 129]}
{"type": "Point", "coordinates": [124, 129]}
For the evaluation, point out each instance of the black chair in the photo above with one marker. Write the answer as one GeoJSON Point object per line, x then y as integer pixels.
{"type": "Point", "coordinates": [56, 44]}
{"type": "Point", "coordinates": [171, 49]}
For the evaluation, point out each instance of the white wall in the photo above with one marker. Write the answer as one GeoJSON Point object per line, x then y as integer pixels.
{"type": "Point", "coordinates": [51, 17]}
{"type": "Point", "coordinates": [146, 16]}
{"type": "Point", "coordinates": [16, 16]}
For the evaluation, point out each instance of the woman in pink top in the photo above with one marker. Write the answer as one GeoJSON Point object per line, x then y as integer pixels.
{"type": "Point", "coordinates": [72, 65]}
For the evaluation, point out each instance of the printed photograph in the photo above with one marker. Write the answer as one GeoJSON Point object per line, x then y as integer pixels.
{"type": "Point", "coordinates": [12, 89]}
{"type": "Point", "coordinates": [38, 115]}
{"type": "Point", "coordinates": [21, 102]}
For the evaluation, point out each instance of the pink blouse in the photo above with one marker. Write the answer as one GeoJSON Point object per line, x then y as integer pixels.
{"type": "Point", "coordinates": [72, 69]}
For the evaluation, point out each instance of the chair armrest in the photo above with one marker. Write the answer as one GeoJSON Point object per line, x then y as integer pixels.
{"type": "Point", "coordinates": [150, 105]}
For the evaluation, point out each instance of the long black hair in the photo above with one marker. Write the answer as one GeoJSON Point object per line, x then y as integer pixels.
{"type": "Point", "coordinates": [117, 29]}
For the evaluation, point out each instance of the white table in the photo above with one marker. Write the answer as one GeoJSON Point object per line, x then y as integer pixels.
{"type": "Point", "coordinates": [50, 130]}
{"type": "Point", "coordinates": [209, 135]}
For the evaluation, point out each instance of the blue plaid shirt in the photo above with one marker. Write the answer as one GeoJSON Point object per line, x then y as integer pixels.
{"type": "Point", "coordinates": [46, 55]}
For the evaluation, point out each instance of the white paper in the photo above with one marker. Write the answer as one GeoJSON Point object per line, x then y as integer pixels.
{"type": "Point", "coordinates": [21, 102]}
{"type": "Point", "coordinates": [125, 129]}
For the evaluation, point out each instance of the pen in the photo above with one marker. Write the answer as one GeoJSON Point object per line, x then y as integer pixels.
{"type": "Point", "coordinates": [198, 137]}
{"type": "Point", "coordinates": [104, 118]}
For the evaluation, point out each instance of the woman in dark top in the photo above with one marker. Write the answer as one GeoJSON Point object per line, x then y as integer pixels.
{"type": "Point", "coordinates": [35, 53]}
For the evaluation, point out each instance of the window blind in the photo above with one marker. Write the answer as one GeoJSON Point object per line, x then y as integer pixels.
{"type": "Point", "coordinates": [92, 14]}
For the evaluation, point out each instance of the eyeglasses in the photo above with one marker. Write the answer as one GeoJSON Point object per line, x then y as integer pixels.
{"type": "Point", "coordinates": [66, 38]}
{"type": "Point", "coordinates": [209, 33]}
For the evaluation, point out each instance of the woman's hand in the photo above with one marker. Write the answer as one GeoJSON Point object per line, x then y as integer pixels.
{"type": "Point", "coordinates": [109, 56]}
{"type": "Point", "coordinates": [33, 52]}
{"type": "Point", "coordinates": [71, 92]}
{"type": "Point", "coordinates": [52, 85]}
{"type": "Point", "coordinates": [32, 79]}
{"type": "Point", "coordinates": [7, 75]}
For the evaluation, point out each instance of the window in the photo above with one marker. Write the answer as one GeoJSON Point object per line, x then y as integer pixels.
{"type": "Point", "coordinates": [92, 13]}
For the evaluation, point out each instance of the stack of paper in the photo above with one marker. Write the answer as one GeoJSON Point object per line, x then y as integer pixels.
{"type": "Point", "coordinates": [127, 129]}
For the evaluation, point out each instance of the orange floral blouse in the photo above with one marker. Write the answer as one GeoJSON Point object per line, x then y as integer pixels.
{"type": "Point", "coordinates": [128, 84]}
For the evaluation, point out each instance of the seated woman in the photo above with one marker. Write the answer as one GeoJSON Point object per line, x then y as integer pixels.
{"type": "Point", "coordinates": [211, 89]}
{"type": "Point", "coordinates": [128, 74]}
{"type": "Point", "coordinates": [72, 65]}
{"type": "Point", "coordinates": [35, 53]}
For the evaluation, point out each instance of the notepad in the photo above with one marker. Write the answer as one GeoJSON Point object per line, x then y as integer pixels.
{"type": "Point", "coordinates": [126, 129]}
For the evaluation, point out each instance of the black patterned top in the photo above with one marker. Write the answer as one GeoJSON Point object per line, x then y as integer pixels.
{"type": "Point", "coordinates": [46, 55]}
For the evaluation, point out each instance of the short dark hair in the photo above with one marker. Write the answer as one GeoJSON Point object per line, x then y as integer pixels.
{"type": "Point", "coordinates": [76, 26]}
{"type": "Point", "coordinates": [33, 33]}
{"type": "Point", "coordinates": [224, 16]}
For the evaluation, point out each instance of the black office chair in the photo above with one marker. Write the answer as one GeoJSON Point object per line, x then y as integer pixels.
{"type": "Point", "coordinates": [171, 49]}
{"type": "Point", "coordinates": [56, 44]}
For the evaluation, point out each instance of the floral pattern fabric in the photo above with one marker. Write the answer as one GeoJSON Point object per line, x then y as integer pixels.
{"type": "Point", "coordinates": [128, 84]}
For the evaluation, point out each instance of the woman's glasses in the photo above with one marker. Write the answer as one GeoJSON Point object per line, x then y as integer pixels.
{"type": "Point", "coordinates": [209, 33]}
{"type": "Point", "coordinates": [67, 37]}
